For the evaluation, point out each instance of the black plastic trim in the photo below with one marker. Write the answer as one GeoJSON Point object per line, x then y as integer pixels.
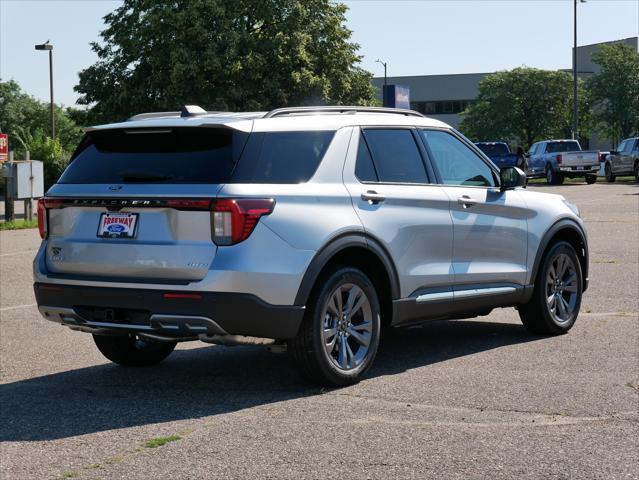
{"type": "Point", "coordinates": [236, 313]}
{"type": "Point", "coordinates": [408, 311]}
{"type": "Point", "coordinates": [338, 244]}
{"type": "Point", "coordinates": [565, 223]}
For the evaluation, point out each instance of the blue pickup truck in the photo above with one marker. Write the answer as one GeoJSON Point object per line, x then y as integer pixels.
{"type": "Point", "coordinates": [499, 153]}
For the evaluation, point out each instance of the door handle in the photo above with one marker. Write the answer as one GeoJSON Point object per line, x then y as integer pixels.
{"type": "Point", "coordinates": [372, 197]}
{"type": "Point", "coordinates": [465, 201]}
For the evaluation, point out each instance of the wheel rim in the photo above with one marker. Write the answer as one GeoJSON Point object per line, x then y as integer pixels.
{"type": "Point", "coordinates": [347, 329]}
{"type": "Point", "coordinates": [562, 288]}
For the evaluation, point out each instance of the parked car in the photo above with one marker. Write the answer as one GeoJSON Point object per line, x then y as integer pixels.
{"type": "Point", "coordinates": [559, 159]}
{"type": "Point", "coordinates": [308, 227]}
{"type": "Point", "coordinates": [624, 160]}
{"type": "Point", "coordinates": [499, 153]}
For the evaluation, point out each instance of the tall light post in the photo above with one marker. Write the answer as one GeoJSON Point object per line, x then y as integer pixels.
{"type": "Point", "coordinates": [46, 46]}
{"type": "Point", "coordinates": [384, 90]}
{"type": "Point", "coordinates": [575, 108]}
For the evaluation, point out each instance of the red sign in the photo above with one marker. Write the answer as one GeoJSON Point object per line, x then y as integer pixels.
{"type": "Point", "coordinates": [4, 147]}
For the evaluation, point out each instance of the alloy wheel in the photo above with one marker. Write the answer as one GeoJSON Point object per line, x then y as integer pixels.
{"type": "Point", "coordinates": [347, 327]}
{"type": "Point", "coordinates": [562, 288]}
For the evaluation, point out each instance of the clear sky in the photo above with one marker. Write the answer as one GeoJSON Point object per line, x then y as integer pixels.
{"type": "Point", "coordinates": [414, 37]}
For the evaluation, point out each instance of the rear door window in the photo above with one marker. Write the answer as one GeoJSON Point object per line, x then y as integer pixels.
{"type": "Point", "coordinates": [364, 168]}
{"type": "Point", "coordinates": [395, 155]}
{"type": "Point", "coordinates": [282, 157]}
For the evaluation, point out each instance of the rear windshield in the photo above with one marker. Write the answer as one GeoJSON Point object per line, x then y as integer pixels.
{"type": "Point", "coordinates": [196, 155]}
{"type": "Point", "coordinates": [493, 149]}
{"type": "Point", "coordinates": [555, 147]}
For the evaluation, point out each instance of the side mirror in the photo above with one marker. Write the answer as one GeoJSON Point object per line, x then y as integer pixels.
{"type": "Point", "coordinates": [511, 177]}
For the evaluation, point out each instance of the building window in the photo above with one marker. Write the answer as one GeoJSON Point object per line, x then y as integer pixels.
{"type": "Point", "coordinates": [441, 107]}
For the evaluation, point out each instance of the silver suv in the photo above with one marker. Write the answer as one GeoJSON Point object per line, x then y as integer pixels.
{"type": "Point", "coordinates": [313, 228]}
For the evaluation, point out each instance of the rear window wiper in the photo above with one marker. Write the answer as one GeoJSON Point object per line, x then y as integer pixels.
{"type": "Point", "coordinates": [132, 176]}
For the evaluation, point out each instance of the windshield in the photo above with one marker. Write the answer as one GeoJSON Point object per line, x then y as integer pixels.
{"type": "Point", "coordinates": [569, 146]}
{"type": "Point", "coordinates": [494, 149]}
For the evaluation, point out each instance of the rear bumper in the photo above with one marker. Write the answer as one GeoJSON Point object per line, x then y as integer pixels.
{"type": "Point", "coordinates": [112, 310]}
{"type": "Point", "coordinates": [590, 169]}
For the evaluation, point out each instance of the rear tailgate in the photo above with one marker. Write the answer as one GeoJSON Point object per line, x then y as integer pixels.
{"type": "Point", "coordinates": [135, 205]}
{"type": "Point", "coordinates": [166, 244]}
{"type": "Point", "coordinates": [580, 159]}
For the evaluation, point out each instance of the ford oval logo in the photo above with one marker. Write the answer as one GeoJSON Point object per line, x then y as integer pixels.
{"type": "Point", "coordinates": [115, 187]}
{"type": "Point", "coordinates": [115, 228]}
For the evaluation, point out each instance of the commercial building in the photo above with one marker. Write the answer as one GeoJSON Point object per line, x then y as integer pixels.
{"type": "Point", "coordinates": [444, 97]}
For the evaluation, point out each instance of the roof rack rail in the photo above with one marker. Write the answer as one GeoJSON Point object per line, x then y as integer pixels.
{"type": "Point", "coordinates": [279, 112]}
{"type": "Point", "coordinates": [144, 116]}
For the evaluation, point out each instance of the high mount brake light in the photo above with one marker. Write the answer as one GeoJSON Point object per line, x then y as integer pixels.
{"type": "Point", "coordinates": [45, 204]}
{"type": "Point", "coordinates": [234, 219]}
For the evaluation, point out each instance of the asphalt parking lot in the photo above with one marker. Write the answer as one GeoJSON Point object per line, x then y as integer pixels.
{"type": "Point", "coordinates": [474, 398]}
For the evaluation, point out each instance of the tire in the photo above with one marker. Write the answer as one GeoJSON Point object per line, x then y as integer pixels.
{"type": "Point", "coordinates": [610, 177]}
{"type": "Point", "coordinates": [590, 179]}
{"type": "Point", "coordinates": [557, 316]}
{"type": "Point", "coordinates": [133, 351]}
{"type": "Point", "coordinates": [636, 169]}
{"type": "Point", "coordinates": [552, 177]}
{"type": "Point", "coordinates": [329, 359]}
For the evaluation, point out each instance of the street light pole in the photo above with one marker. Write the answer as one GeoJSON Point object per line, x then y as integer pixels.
{"type": "Point", "coordinates": [385, 82]}
{"type": "Point", "coordinates": [575, 108]}
{"type": "Point", "coordinates": [48, 47]}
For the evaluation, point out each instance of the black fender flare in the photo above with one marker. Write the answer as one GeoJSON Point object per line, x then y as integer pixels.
{"type": "Point", "coordinates": [565, 223]}
{"type": "Point", "coordinates": [336, 245]}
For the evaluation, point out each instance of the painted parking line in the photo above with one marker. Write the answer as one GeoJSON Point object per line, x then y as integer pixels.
{"type": "Point", "coordinates": [17, 307]}
{"type": "Point", "coordinates": [23, 252]}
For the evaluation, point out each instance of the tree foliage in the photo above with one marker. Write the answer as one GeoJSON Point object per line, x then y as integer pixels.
{"type": "Point", "coordinates": [28, 123]}
{"type": "Point", "coordinates": [526, 105]}
{"type": "Point", "coordinates": [223, 55]}
{"type": "Point", "coordinates": [615, 91]}
{"type": "Point", "coordinates": [19, 111]}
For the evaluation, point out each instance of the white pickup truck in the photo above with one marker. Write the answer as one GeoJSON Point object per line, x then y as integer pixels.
{"type": "Point", "coordinates": [558, 159]}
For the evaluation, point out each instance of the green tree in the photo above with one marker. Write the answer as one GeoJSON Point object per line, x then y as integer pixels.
{"type": "Point", "coordinates": [28, 123]}
{"type": "Point", "coordinates": [526, 105]}
{"type": "Point", "coordinates": [19, 110]}
{"type": "Point", "coordinates": [222, 55]}
{"type": "Point", "coordinates": [615, 91]}
{"type": "Point", "coordinates": [42, 147]}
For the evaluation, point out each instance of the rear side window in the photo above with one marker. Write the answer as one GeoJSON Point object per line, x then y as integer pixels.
{"type": "Point", "coordinates": [176, 155]}
{"type": "Point", "coordinates": [395, 155]}
{"type": "Point", "coordinates": [282, 157]}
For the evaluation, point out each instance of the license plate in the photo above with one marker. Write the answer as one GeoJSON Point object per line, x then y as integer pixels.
{"type": "Point", "coordinates": [118, 225]}
{"type": "Point", "coordinates": [581, 168]}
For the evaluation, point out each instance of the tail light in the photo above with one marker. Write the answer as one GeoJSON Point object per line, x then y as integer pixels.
{"type": "Point", "coordinates": [559, 158]}
{"type": "Point", "coordinates": [234, 219]}
{"type": "Point", "coordinates": [45, 204]}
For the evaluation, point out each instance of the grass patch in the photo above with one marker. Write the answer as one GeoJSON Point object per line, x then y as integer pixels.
{"type": "Point", "coordinates": [158, 442]}
{"type": "Point", "coordinates": [18, 224]}
{"type": "Point", "coordinates": [70, 475]}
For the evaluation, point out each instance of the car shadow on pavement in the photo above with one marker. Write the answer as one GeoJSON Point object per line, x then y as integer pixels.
{"type": "Point", "coordinates": [212, 380]}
